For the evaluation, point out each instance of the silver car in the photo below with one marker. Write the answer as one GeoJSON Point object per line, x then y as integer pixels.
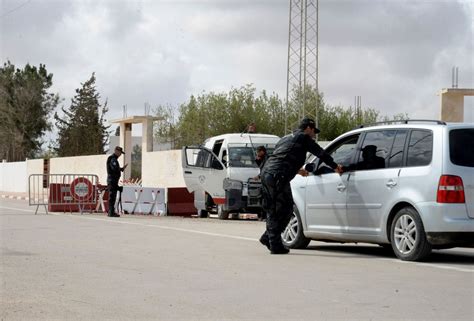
{"type": "Point", "coordinates": [409, 185]}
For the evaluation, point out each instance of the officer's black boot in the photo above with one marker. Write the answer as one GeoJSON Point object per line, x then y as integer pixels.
{"type": "Point", "coordinates": [265, 241]}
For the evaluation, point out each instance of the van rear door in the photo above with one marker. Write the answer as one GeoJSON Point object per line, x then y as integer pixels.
{"type": "Point", "coordinates": [202, 171]}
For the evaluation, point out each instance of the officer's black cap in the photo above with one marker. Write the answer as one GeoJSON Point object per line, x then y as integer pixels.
{"type": "Point", "coordinates": [120, 149]}
{"type": "Point", "coordinates": [309, 122]}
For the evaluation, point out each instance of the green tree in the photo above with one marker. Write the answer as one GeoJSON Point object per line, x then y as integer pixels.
{"type": "Point", "coordinates": [337, 120]}
{"type": "Point", "coordinates": [25, 106]}
{"type": "Point", "coordinates": [332, 120]}
{"type": "Point", "coordinates": [165, 126]}
{"type": "Point", "coordinates": [81, 130]}
{"type": "Point", "coordinates": [211, 114]}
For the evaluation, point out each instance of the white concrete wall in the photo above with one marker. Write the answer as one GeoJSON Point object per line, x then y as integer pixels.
{"type": "Point", "coordinates": [13, 177]}
{"type": "Point", "coordinates": [34, 166]}
{"type": "Point", "coordinates": [93, 164]}
{"type": "Point", "coordinates": [162, 169]}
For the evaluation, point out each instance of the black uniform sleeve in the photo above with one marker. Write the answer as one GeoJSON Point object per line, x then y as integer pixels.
{"type": "Point", "coordinates": [316, 150]}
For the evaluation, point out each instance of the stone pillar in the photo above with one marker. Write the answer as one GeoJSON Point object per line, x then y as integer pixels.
{"type": "Point", "coordinates": [452, 107]}
{"type": "Point", "coordinates": [452, 103]}
{"type": "Point", "coordinates": [147, 135]}
{"type": "Point", "coordinates": [126, 144]}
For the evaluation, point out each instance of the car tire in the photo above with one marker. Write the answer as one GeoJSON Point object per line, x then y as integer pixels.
{"type": "Point", "coordinates": [408, 237]}
{"type": "Point", "coordinates": [202, 213]}
{"type": "Point", "coordinates": [221, 213]}
{"type": "Point", "coordinates": [293, 236]}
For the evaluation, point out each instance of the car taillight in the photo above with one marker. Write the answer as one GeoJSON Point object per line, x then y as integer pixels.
{"type": "Point", "coordinates": [450, 190]}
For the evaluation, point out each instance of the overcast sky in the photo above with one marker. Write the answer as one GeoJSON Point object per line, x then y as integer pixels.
{"type": "Point", "coordinates": [396, 54]}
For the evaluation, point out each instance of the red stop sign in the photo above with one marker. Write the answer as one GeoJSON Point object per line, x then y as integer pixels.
{"type": "Point", "coordinates": [81, 189]}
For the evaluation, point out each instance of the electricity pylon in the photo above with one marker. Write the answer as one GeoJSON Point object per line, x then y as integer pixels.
{"type": "Point", "coordinates": [302, 70]}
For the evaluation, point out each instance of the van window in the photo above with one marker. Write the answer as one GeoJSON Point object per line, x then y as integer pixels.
{"type": "Point", "coordinates": [461, 151]}
{"type": "Point", "coordinates": [420, 148]}
{"type": "Point", "coordinates": [203, 159]}
{"type": "Point", "coordinates": [396, 155]}
{"type": "Point", "coordinates": [242, 157]}
{"type": "Point", "coordinates": [217, 147]}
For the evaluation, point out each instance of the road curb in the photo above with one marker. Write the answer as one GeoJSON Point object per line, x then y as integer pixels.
{"type": "Point", "coordinates": [15, 197]}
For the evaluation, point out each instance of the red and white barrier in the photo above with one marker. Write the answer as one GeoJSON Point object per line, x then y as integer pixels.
{"type": "Point", "coordinates": [144, 200]}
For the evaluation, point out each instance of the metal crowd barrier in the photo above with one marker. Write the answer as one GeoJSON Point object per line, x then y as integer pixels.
{"type": "Point", "coordinates": [63, 192]}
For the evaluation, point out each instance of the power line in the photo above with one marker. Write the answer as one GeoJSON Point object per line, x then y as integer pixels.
{"type": "Point", "coordinates": [15, 9]}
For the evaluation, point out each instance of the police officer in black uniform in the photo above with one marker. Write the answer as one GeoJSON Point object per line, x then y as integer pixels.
{"type": "Point", "coordinates": [113, 175]}
{"type": "Point", "coordinates": [280, 168]}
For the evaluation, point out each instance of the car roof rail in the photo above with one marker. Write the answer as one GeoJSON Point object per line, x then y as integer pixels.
{"type": "Point", "coordinates": [404, 121]}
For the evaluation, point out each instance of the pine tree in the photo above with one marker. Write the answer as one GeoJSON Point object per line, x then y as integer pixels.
{"type": "Point", "coordinates": [25, 106]}
{"type": "Point", "coordinates": [82, 131]}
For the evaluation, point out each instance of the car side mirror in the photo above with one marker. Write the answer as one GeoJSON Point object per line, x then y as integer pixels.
{"type": "Point", "coordinates": [311, 167]}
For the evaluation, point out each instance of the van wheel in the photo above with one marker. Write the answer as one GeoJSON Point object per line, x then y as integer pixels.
{"type": "Point", "coordinates": [202, 213]}
{"type": "Point", "coordinates": [221, 214]}
{"type": "Point", "coordinates": [408, 237]}
{"type": "Point", "coordinates": [293, 236]}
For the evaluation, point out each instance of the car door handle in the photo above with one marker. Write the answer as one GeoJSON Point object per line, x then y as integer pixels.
{"type": "Point", "coordinates": [341, 187]}
{"type": "Point", "coordinates": [391, 183]}
{"type": "Point", "coordinates": [188, 172]}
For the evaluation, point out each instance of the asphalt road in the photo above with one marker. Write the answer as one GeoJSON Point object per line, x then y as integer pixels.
{"type": "Point", "coordinates": [91, 267]}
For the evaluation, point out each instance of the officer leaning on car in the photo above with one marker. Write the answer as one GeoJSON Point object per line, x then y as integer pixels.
{"type": "Point", "coordinates": [280, 168]}
{"type": "Point", "coordinates": [113, 175]}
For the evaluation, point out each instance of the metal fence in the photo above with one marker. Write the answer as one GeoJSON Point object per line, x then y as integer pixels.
{"type": "Point", "coordinates": [63, 192]}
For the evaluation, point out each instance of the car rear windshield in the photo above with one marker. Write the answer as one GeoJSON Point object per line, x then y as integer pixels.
{"type": "Point", "coordinates": [461, 149]}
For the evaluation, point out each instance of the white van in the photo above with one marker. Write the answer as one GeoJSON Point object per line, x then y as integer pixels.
{"type": "Point", "coordinates": [222, 173]}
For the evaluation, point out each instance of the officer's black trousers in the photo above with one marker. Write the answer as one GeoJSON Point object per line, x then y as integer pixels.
{"type": "Point", "coordinates": [278, 204]}
{"type": "Point", "coordinates": [113, 187]}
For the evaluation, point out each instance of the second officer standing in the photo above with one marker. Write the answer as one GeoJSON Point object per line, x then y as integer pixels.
{"type": "Point", "coordinates": [114, 172]}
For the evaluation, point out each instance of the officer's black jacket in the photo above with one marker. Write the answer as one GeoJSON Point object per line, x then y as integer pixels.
{"type": "Point", "coordinates": [290, 154]}
{"type": "Point", "coordinates": [113, 168]}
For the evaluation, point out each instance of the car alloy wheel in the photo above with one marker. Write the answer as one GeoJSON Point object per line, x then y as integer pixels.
{"type": "Point", "coordinates": [405, 234]}
{"type": "Point", "coordinates": [408, 236]}
{"type": "Point", "coordinates": [293, 236]}
{"type": "Point", "coordinates": [290, 233]}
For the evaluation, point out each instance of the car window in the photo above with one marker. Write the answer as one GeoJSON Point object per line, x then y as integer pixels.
{"type": "Point", "coordinates": [459, 151]}
{"type": "Point", "coordinates": [420, 148]}
{"type": "Point", "coordinates": [374, 150]}
{"type": "Point", "coordinates": [396, 155]}
{"type": "Point", "coordinates": [342, 152]}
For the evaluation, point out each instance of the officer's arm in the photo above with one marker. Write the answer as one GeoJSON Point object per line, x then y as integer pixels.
{"type": "Point", "coordinates": [316, 150]}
